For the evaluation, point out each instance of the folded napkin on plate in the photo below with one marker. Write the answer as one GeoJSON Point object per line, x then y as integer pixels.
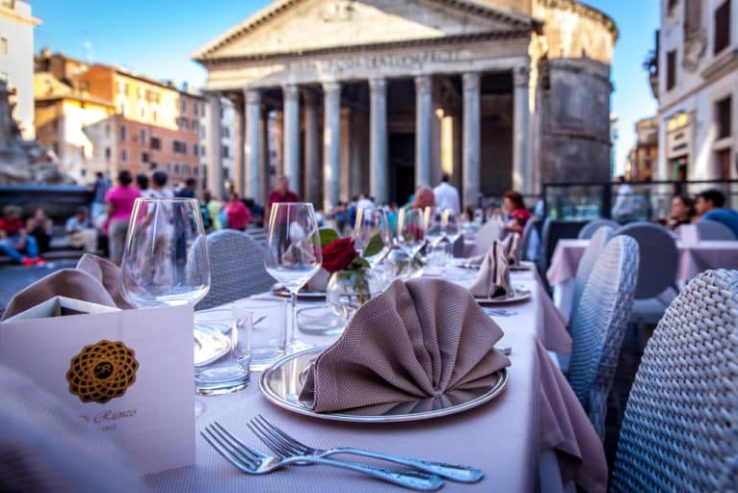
{"type": "Point", "coordinates": [418, 339]}
{"type": "Point", "coordinates": [493, 279]}
{"type": "Point", "coordinates": [95, 280]}
{"type": "Point", "coordinates": [512, 247]}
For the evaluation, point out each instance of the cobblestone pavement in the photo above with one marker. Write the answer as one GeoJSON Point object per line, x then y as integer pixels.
{"type": "Point", "coordinates": [13, 278]}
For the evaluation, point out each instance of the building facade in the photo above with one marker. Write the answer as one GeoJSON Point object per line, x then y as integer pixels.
{"type": "Point", "coordinates": [379, 96]}
{"type": "Point", "coordinates": [642, 160]}
{"type": "Point", "coordinates": [698, 90]}
{"type": "Point", "coordinates": [16, 60]}
{"type": "Point", "coordinates": [102, 118]}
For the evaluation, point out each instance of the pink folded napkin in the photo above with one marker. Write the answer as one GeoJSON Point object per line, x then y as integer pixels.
{"type": "Point", "coordinates": [493, 279]}
{"type": "Point", "coordinates": [419, 339]}
{"type": "Point", "coordinates": [95, 280]}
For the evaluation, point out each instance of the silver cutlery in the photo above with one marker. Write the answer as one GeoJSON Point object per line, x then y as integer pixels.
{"type": "Point", "coordinates": [281, 443]}
{"type": "Point", "coordinates": [251, 461]}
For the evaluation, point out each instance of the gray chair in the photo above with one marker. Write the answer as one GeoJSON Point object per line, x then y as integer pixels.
{"type": "Point", "coordinates": [680, 430]}
{"type": "Point", "coordinates": [591, 253]}
{"type": "Point", "coordinates": [713, 230]}
{"type": "Point", "coordinates": [258, 234]}
{"type": "Point", "coordinates": [237, 268]}
{"type": "Point", "coordinates": [598, 326]}
{"type": "Point", "coordinates": [589, 229]}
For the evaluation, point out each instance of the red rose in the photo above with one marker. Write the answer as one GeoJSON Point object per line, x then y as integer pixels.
{"type": "Point", "coordinates": [338, 254]}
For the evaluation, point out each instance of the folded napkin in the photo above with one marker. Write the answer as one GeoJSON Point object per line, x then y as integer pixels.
{"type": "Point", "coordinates": [512, 245]}
{"type": "Point", "coordinates": [493, 279]}
{"type": "Point", "coordinates": [419, 339]}
{"type": "Point", "coordinates": [95, 280]}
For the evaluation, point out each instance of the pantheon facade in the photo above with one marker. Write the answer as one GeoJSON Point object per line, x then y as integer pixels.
{"type": "Point", "coordinates": [381, 96]}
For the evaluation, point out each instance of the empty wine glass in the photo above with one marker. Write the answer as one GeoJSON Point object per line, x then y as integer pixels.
{"type": "Point", "coordinates": [411, 226]}
{"type": "Point", "coordinates": [434, 226]}
{"type": "Point", "coordinates": [165, 260]}
{"type": "Point", "coordinates": [293, 255]}
{"type": "Point", "coordinates": [372, 222]}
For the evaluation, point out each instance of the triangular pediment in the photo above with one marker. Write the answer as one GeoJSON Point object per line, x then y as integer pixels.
{"type": "Point", "coordinates": [298, 26]}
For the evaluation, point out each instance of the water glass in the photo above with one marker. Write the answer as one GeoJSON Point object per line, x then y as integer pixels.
{"type": "Point", "coordinates": [231, 372]}
{"type": "Point", "coordinates": [269, 334]}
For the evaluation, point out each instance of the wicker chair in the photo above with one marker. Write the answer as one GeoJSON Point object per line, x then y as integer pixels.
{"type": "Point", "coordinates": [591, 253]}
{"type": "Point", "coordinates": [598, 326]}
{"type": "Point", "coordinates": [680, 430]}
{"type": "Point", "coordinates": [591, 227]}
{"type": "Point", "coordinates": [237, 268]}
{"type": "Point", "coordinates": [713, 230]}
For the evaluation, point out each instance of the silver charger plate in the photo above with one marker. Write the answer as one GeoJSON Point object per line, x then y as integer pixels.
{"type": "Point", "coordinates": [301, 295]}
{"type": "Point", "coordinates": [282, 383]}
{"type": "Point", "coordinates": [520, 295]}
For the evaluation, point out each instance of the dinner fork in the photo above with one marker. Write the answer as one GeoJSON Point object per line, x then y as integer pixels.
{"type": "Point", "coordinates": [251, 461]}
{"type": "Point", "coordinates": [285, 445]}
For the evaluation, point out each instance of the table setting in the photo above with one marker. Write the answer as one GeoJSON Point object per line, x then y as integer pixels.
{"type": "Point", "coordinates": [430, 381]}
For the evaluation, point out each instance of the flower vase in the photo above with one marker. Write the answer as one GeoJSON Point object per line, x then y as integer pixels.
{"type": "Point", "coordinates": [349, 290]}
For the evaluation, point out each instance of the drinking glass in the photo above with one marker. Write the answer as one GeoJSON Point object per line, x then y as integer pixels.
{"type": "Point", "coordinates": [434, 226]}
{"type": "Point", "coordinates": [165, 260]}
{"type": "Point", "coordinates": [293, 255]}
{"type": "Point", "coordinates": [231, 371]}
{"type": "Point", "coordinates": [451, 225]}
{"type": "Point", "coordinates": [371, 222]}
{"type": "Point", "coordinates": [411, 226]}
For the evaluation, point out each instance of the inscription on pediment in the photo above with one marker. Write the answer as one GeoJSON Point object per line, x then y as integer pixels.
{"type": "Point", "coordinates": [338, 11]}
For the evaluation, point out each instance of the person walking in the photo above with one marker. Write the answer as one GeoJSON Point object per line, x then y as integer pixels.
{"type": "Point", "coordinates": [99, 190]}
{"type": "Point", "coordinates": [120, 201]}
{"type": "Point", "coordinates": [280, 194]}
{"type": "Point", "coordinates": [237, 214]}
{"type": "Point", "coordinates": [446, 195]}
{"type": "Point", "coordinates": [188, 191]}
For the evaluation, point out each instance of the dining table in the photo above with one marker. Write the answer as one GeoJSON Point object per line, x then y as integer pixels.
{"type": "Point", "coordinates": [694, 257]}
{"type": "Point", "coordinates": [515, 439]}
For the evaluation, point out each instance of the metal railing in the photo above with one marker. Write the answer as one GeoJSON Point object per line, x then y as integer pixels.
{"type": "Point", "coordinates": [625, 202]}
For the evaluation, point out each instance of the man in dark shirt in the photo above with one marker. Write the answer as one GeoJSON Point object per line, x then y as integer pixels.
{"type": "Point", "coordinates": [280, 194]}
{"type": "Point", "coordinates": [188, 191]}
{"type": "Point", "coordinates": [710, 206]}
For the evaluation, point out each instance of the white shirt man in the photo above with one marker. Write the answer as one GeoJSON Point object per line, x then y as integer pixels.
{"type": "Point", "coordinates": [446, 195]}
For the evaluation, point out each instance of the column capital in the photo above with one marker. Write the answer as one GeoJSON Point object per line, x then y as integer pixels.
{"type": "Point", "coordinates": [423, 83]}
{"type": "Point", "coordinates": [331, 87]}
{"type": "Point", "coordinates": [253, 96]}
{"type": "Point", "coordinates": [471, 81]}
{"type": "Point", "coordinates": [378, 84]}
{"type": "Point", "coordinates": [291, 91]}
{"type": "Point", "coordinates": [521, 75]}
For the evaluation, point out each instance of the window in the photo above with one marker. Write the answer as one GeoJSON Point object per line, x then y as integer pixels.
{"type": "Point", "coordinates": [195, 150]}
{"type": "Point", "coordinates": [144, 157]}
{"type": "Point", "coordinates": [153, 165]}
{"type": "Point", "coordinates": [722, 27]}
{"type": "Point", "coordinates": [176, 169]}
{"type": "Point", "coordinates": [224, 151]}
{"type": "Point", "coordinates": [671, 64]}
{"type": "Point", "coordinates": [122, 132]}
{"type": "Point", "coordinates": [195, 171]}
{"type": "Point", "coordinates": [142, 135]}
{"type": "Point", "coordinates": [671, 6]}
{"type": "Point", "coordinates": [107, 153]}
{"type": "Point", "coordinates": [202, 150]}
{"type": "Point", "coordinates": [724, 116]}
{"type": "Point", "coordinates": [155, 143]}
{"type": "Point", "coordinates": [183, 106]}
{"type": "Point", "coordinates": [169, 167]}
{"type": "Point", "coordinates": [3, 46]}
{"type": "Point", "coordinates": [226, 132]}
{"type": "Point", "coordinates": [692, 18]}
{"type": "Point", "coordinates": [124, 155]}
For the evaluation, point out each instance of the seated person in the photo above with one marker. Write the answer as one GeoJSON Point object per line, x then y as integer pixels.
{"type": "Point", "coordinates": [40, 227]}
{"type": "Point", "coordinates": [710, 206]}
{"type": "Point", "coordinates": [14, 238]}
{"type": "Point", "coordinates": [81, 232]}
{"type": "Point", "coordinates": [682, 211]}
{"type": "Point", "coordinates": [513, 208]}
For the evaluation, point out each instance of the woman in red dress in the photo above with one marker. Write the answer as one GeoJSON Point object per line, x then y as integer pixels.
{"type": "Point", "coordinates": [513, 208]}
{"type": "Point", "coordinates": [237, 213]}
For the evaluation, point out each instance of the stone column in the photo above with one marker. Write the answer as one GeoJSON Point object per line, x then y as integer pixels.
{"type": "Point", "coordinates": [378, 140]}
{"type": "Point", "coordinates": [423, 129]}
{"type": "Point", "coordinates": [215, 161]}
{"type": "Point", "coordinates": [331, 145]}
{"type": "Point", "coordinates": [522, 169]}
{"type": "Point", "coordinates": [239, 127]}
{"type": "Point", "coordinates": [254, 145]}
{"type": "Point", "coordinates": [292, 135]}
{"type": "Point", "coordinates": [312, 150]}
{"type": "Point", "coordinates": [471, 137]}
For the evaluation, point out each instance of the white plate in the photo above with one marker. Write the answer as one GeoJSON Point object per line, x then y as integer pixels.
{"type": "Point", "coordinates": [282, 383]}
{"type": "Point", "coordinates": [520, 295]}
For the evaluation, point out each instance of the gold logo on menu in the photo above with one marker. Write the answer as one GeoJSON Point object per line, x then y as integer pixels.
{"type": "Point", "coordinates": [102, 371]}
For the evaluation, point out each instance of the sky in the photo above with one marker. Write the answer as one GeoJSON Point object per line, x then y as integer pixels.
{"type": "Point", "coordinates": [157, 38]}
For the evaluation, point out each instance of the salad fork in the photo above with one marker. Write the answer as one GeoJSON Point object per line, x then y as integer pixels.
{"type": "Point", "coordinates": [283, 444]}
{"type": "Point", "coordinates": [251, 461]}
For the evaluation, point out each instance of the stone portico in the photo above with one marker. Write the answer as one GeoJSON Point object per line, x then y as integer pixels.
{"type": "Point", "coordinates": [378, 96]}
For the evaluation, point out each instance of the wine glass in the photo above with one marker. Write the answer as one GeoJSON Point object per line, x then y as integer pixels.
{"type": "Point", "coordinates": [165, 260]}
{"type": "Point", "coordinates": [434, 226]}
{"type": "Point", "coordinates": [372, 222]}
{"type": "Point", "coordinates": [451, 225]}
{"type": "Point", "coordinates": [411, 226]}
{"type": "Point", "coordinates": [293, 255]}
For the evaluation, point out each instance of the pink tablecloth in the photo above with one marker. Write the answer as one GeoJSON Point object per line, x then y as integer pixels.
{"type": "Point", "coordinates": [693, 259]}
{"type": "Point", "coordinates": [537, 413]}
